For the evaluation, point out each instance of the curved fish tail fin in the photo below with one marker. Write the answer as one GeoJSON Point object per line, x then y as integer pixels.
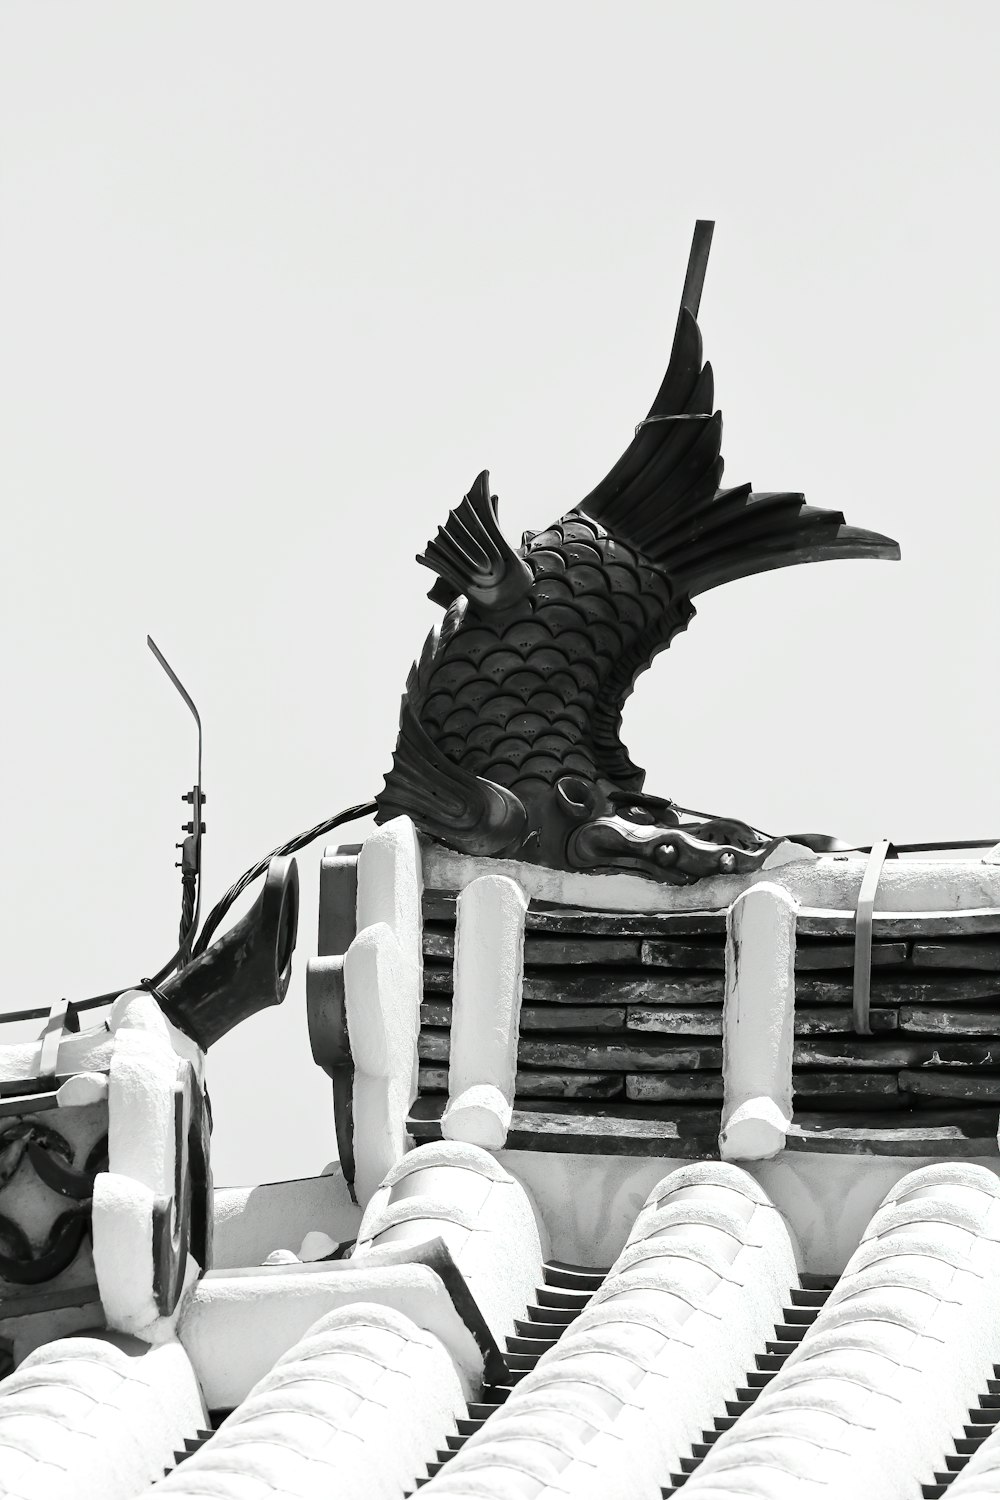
{"type": "Point", "coordinates": [742, 532]}
{"type": "Point", "coordinates": [672, 468]}
{"type": "Point", "coordinates": [663, 497]}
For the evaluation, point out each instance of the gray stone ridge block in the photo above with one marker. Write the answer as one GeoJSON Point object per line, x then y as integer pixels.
{"type": "Point", "coordinates": [621, 1030]}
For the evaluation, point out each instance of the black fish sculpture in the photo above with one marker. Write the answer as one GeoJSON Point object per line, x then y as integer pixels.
{"type": "Point", "coordinates": [509, 739]}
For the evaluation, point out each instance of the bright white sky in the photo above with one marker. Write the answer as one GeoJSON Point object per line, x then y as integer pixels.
{"type": "Point", "coordinates": [276, 281]}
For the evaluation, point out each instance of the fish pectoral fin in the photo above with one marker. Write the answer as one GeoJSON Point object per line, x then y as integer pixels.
{"type": "Point", "coordinates": [464, 811]}
{"type": "Point", "coordinates": [471, 556]}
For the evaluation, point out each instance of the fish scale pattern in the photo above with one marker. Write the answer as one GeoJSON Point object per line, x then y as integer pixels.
{"type": "Point", "coordinates": [538, 693]}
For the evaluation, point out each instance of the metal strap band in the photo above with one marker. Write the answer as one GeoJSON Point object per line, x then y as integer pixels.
{"type": "Point", "coordinates": [48, 1053]}
{"type": "Point", "coordinates": [863, 937]}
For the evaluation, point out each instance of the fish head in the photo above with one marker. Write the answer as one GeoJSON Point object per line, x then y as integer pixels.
{"type": "Point", "coordinates": [608, 829]}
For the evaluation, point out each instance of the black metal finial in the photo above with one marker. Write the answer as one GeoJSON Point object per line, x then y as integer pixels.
{"type": "Point", "coordinates": [694, 280]}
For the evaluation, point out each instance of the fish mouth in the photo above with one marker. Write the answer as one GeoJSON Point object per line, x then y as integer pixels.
{"type": "Point", "coordinates": [673, 855]}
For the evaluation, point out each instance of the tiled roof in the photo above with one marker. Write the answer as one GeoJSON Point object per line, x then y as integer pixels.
{"type": "Point", "coordinates": [596, 1305]}
{"type": "Point", "coordinates": [704, 1358]}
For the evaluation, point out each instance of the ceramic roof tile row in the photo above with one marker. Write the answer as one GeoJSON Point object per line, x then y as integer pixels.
{"type": "Point", "coordinates": [645, 1389]}
{"type": "Point", "coordinates": [872, 1398]}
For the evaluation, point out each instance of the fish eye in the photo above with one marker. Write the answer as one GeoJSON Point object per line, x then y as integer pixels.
{"type": "Point", "coordinates": [637, 814]}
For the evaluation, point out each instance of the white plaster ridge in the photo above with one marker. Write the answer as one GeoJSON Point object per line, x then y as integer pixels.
{"type": "Point", "coordinates": [237, 1326]}
{"type": "Point", "coordinates": [589, 1201]}
{"type": "Point", "coordinates": [610, 1409]}
{"type": "Point", "coordinates": [486, 1011]}
{"type": "Point", "coordinates": [88, 1051]}
{"type": "Point", "coordinates": [96, 1417]}
{"type": "Point", "coordinates": [390, 883]}
{"type": "Point", "coordinates": [832, 882]}
{"type": "Point", "coordinates": [383, 979]}
{"type": "Point", "coordinates": [758, 1024]}
{"type": "Point", "coordinates": [460, 1193]}
{"type": "Point", "coordinates": [148, 1063]}
{"type": "Point", "coordinates": [250, 1222]}
{"type": "Point", "coordinates": [352, 1410]}
{"type": "Point", "coordinates": [882, 1381]}
{"type": "Point", "coordinates": [384, 1024]}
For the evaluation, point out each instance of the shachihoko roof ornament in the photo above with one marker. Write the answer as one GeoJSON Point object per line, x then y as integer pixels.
{"type": "Point", "coordinates": [509, 740]}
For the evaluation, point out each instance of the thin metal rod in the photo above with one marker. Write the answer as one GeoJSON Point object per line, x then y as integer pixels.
{"type": "Point", "coordinates": [181, 689]}
{"type": "Point", "coordinates": [694, 281]}
{"type": "Point", "coordinates": [945, 844]}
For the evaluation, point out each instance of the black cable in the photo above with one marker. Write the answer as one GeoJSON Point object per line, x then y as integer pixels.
{"type": "Point", "coordinates": [94, 1001]}
{"type": "Point", "coordinates": [215, 916]}
{"type": "Point", "coordinates": [189, 913]}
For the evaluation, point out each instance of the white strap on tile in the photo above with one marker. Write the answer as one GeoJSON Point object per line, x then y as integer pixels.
{"type": "Point", "coordinates": [863, 937]}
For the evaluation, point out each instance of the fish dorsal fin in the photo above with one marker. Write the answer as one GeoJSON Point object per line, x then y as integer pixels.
{"type": "Point", "coordinates": [471, 556]}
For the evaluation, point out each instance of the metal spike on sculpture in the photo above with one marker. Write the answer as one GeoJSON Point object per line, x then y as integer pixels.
{"type": "Point", "coordinates": [509, 732]}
